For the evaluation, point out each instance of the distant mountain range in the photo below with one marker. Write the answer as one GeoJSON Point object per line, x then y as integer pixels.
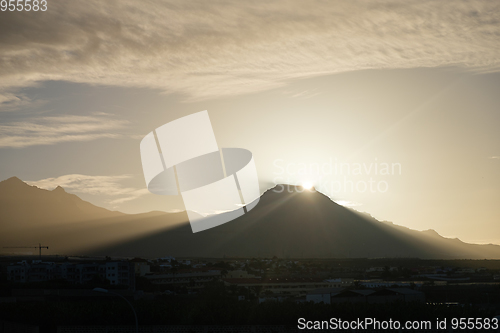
{"type": "Point", "coordinates": [298, 224]}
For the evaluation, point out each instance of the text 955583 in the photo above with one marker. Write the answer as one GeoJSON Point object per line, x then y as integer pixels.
{"type": "Point", "coordinates": [23, 5]}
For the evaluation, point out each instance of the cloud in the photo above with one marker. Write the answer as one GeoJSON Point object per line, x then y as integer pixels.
{"type": "Point", "coordinates": [52, 130]}
{"type": "Point", "coordinates": [494, 157]}
{"type": "Point", "coordinates": [175, 210]}
{"type": "Point", "coordinates": [209, 49]}
{"type": "Point", "coordinates": [347, 203]}
{"type": "Point", "coordinates": [10, 101]}
{"type": "Point", "coordinates": [109, 186]}
{"type": "Point", "coordinates": [303, 94]}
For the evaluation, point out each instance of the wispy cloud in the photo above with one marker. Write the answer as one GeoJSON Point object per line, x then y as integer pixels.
{"type": "Point", "coordinates": [10, 101]}
{"type": "Point", "coordinates": [206, 49]}
{"type": "Point", "coordinates": [175, 210]}
{"type": "Point", "coordinates": [347, 203]}
{"type": "Point", "coordinates": [109, 186]}
{"type": "Point", "coordinates": [494, 157]}
{"type": "Point", "coordinates": [52, 130]}
{"type": "Point", "coordinates": [303, 94]}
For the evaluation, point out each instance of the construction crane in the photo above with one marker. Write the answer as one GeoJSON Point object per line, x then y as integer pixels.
{"type": "Point", "coordinates": [39, 247]}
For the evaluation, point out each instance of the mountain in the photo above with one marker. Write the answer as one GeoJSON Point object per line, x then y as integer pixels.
{"type": "Point", "coordinates": [25, 204]}
{"type": "Point", "coordinates": [64, 222]}
{"type": "Point", "coordinates": [303, 224]}
{"type": "Point", "coordinates": [296, 224]}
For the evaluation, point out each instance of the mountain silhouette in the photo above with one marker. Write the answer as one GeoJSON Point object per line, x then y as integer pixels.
{"type": "Point", "coordinates": [303, 224]}
{"type": "Point", "coordinates": [64, 222]}
{"type": "Point", "coordinates": [295, 223]}
{"type": "Point", "coordinates": [22, 203]}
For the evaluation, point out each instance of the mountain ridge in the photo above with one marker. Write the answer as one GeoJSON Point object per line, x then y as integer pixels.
{"type": "Point", "coordinates": [301, 223]}
{"type": "Point", "coordinates": [279, 226]}
{"type": "Point", "coordinates": [18, 200]}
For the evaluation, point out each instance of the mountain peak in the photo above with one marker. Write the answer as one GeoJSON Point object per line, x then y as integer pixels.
{"type": "Point", "coordinates": [13, 182]}
{"type": "Point", "coordinates": [14, 179]}
{"type": "Point", "coordinates": [431, 232]}
{"type": "Point", "coordinates": [288, 188]}
{"type": "Point", "coordinates": [58, 189]}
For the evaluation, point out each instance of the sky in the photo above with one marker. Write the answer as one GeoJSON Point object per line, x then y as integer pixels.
{"type": "Point", "coordinates": [391, 108]}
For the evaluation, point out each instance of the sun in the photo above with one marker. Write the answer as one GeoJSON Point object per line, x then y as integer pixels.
{"type": "Point", "coordinates": [307, 185]}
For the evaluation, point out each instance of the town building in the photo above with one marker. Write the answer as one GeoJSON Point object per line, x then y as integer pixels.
{"type": "Point", "coordinates": [387, 284]}
{"type": "Point", "coordinates": [116, 272]}
{"type": "Point", "coordinates": [386, 295]}
{"type": "Point", "coordinates": [141, 266]}
{"type": "Point", "coordinates": [193, 280]}
{"type": "Point", "coordinates": [287, 286]}
{"type": "Point", "coordinates": [340, 282]}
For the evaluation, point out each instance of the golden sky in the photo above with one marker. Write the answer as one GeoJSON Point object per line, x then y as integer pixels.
{"type": "Point", "coordinates": [300, 84]}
